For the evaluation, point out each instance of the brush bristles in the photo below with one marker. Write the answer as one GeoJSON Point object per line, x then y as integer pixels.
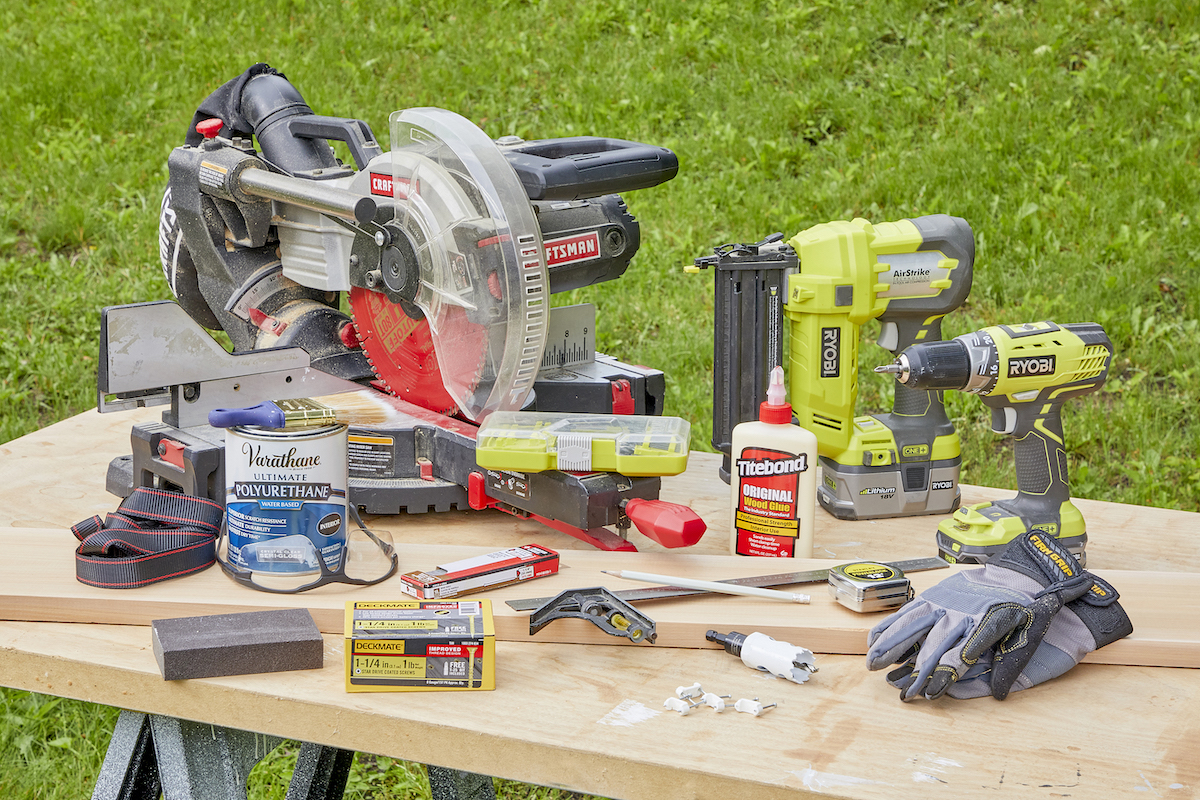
{"type": "Point", "coordinates": [356, 408]}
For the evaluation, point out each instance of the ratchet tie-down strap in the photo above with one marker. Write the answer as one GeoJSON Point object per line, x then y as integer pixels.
{"type": "Point", "coordinates": [154, 535]}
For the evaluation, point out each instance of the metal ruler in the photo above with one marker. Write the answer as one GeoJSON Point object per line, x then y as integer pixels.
{"type": "Point", "coordinates": [761, 581]}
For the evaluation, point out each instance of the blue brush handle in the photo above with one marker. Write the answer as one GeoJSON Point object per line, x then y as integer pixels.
{"type": "Point", "coordinates": [265, 414]}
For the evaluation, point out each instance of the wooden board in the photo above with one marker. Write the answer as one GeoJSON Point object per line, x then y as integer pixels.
{"type": "Point", "coordinates": [1165, 608]}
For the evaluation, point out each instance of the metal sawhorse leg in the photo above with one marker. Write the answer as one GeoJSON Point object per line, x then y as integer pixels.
{"type": "Point", "coordinates": [151, 756]}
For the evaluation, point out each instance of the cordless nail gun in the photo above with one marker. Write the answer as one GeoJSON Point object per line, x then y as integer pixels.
{"type": "Point", "coordinates": [1024, 374]}
{"type": "Point", "coordinates": [839, 276]}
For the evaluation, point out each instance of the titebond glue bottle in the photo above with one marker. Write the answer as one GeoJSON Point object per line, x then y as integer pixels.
{"type": "Point", "coordinates": [774, 481]}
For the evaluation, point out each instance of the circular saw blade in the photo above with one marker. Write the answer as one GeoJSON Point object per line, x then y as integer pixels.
{"type": "Point", "coordinates": [483, 287]}
{"type": "Point", "coordinates": [400, 351]}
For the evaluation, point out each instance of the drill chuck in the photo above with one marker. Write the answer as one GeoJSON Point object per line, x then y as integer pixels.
{"type": "Point", "coordinates": [932, 365]}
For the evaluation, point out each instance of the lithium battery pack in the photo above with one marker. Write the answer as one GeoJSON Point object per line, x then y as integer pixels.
{"type": "Point", "coordinates": [500, 568]}
{"type": "Point", "coordinates": [534, 441]}
{"type": "Point", "coordinates": [868, 586]}
{"type": "Point", "coordinates": [415, 646]}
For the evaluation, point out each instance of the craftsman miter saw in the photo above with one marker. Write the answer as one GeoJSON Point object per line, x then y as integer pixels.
{"type": "Point", "coordinates": [448, 248]}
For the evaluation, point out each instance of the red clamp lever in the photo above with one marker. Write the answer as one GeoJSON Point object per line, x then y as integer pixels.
{"type": "Point", "coordinates": [172, 452]}
{"type": "Point", "coordinates": [669, 524]}
{"type": "Point", "coordinates": [209, 128]}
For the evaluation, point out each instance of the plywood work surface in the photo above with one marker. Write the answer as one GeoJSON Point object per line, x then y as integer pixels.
{"type": "Point", "coordinates": [590, 718]}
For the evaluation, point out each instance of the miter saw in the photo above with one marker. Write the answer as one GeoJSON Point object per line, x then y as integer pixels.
{"type": "Point", "coordinates": [448, 248]}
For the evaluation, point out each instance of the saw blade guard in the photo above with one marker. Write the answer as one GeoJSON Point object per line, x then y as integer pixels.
{"type": "Point", "coordinates": [483, 285]}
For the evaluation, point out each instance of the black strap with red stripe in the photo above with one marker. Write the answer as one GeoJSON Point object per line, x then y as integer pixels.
{"type": "Point", "coordinates": [154, 535]}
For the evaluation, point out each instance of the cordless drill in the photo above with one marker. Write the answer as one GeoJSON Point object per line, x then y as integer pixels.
{"type": "Point", "coordinates": [1024, 374]}
{"type": "Point", "coordinates": [908, 275]}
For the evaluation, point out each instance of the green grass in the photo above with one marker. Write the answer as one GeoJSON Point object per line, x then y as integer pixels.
{"type": "Point", "coordinates": [1066, 132]}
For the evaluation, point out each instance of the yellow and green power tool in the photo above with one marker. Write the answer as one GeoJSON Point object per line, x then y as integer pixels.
{"type": "Point", "coordinates": [827, 282]}
{"type": "Point", "coordinates": [908, 275]}
{"type": "Point", "coordinates": [1024, 373]}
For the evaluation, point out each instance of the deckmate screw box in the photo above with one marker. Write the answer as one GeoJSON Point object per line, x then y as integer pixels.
{"type": "Point", "coordinates": [414, 646]}
{"type": "Point", "coordinates": [500, 568]}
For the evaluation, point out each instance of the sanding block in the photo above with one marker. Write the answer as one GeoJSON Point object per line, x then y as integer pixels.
{"type": "Point", "coordinates": [237, 644]}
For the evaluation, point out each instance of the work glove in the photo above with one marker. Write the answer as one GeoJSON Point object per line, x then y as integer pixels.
{"type": "Point", "coordinates": [1000, 628]}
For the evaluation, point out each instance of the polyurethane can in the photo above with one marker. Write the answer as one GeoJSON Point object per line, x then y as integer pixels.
{"type": "Point", "coordinates": [285, 483]}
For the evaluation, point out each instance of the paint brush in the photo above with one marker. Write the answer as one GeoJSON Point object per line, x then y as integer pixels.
{"type": "Point", "coordinates": [349, 408]}
{"type": "Point", "coordinates": [709, 586]}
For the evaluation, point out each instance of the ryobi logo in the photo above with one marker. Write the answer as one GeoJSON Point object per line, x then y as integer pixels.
{"type": "Point", "coordinates": [1031, 365]}
{"type": "Point", "coordinates": [831, 352]}
{"type": "Point", "coordinates": [937, 486]}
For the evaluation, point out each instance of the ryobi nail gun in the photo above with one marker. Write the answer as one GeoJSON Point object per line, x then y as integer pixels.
{"type": "Point", "coordinates": [1024, 374]}
{"type": "Point", "coordinates": [829, 281]}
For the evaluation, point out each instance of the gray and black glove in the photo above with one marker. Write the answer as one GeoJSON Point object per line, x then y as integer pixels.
{"type": "Point", "coordinates": [1000, 628]}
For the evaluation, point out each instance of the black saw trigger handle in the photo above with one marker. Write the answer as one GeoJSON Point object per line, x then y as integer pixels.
{"type": "Point", "coordinates": [579, 167]}
{"type": "Point", "coordinates": [354, 132]}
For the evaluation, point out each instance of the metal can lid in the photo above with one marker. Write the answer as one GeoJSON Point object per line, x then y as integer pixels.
{"type": "Point", "coordinates": [257, 431]}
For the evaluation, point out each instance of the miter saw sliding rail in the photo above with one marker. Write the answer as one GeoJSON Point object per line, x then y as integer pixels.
{"type": "Point", "coordinates": [448, 248]}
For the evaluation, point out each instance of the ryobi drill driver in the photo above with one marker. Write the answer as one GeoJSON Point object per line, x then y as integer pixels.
{"type": "Point", "coordinates": [908, 275]}
{"type": "Point", "coordinates": [1024, 374]}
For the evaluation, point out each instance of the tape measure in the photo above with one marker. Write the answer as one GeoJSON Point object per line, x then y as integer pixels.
{"type": "Point", "coordinates": [869, 586]}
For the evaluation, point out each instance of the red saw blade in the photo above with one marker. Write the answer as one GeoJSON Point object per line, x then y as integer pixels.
{"type": "Point", "coordinates": [401, 352]}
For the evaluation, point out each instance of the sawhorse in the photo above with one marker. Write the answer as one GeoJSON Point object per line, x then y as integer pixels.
{"type": "Point", "coordinates": [151, 756]}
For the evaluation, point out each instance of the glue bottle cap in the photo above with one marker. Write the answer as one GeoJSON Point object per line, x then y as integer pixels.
{"type": "Point", "coordinates": [776, 410]}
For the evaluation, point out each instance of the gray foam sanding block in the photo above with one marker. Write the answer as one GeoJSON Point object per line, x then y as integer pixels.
{"type": "Point", "coordinates": [237, 644]}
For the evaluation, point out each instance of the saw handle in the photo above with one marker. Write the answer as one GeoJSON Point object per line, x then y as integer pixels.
{"type": "Point", "coordinates": [354, 132]}
{"type": "Point", "coordinates": [266, 414]}
{"type": "Point", "coordinates": [579, 167]}
{"type": "Point", "coordinates": [669, 524]}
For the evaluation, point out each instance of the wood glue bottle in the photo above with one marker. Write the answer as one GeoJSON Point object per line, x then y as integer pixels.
{"type": "Point", "coordinates": [774, 481]}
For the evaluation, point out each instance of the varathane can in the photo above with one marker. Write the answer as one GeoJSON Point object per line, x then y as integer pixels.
{"type": "Point", "coordinates": [283, 483]}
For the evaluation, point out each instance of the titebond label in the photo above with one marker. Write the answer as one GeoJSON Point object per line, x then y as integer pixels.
{"type": "Point", "coordinates": [766, 518]}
